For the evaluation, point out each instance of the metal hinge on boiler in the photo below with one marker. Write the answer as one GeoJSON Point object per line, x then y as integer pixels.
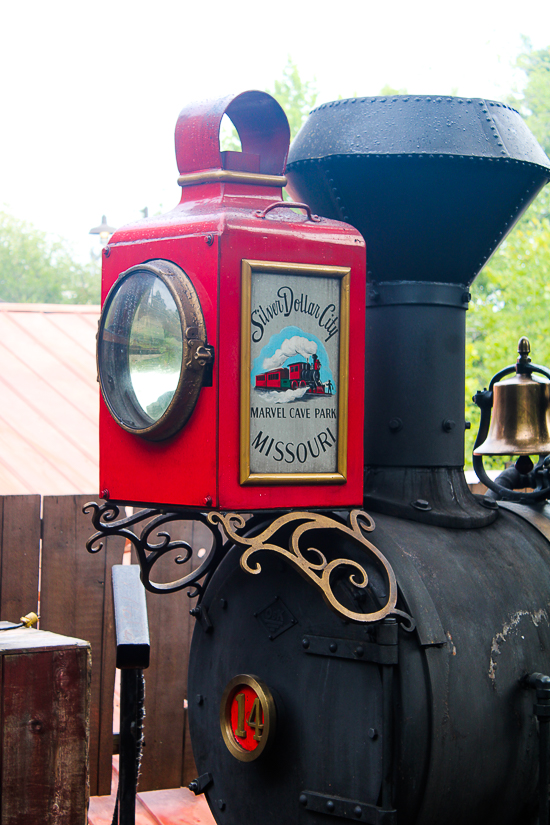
{"type": "Point", "coordinates": [347, 808]}
{"type": "Point", "coordinates": [384, 651]}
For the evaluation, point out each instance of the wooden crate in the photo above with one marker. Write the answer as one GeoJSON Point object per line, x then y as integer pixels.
{"type": "Point", "coordinates": [45, 698]}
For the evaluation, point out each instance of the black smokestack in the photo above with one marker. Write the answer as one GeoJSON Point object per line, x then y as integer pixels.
{"type": "Point", "coordinates": [434, 185]}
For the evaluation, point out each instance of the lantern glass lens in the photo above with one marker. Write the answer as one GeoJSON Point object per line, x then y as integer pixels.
{"type": "Point", "coordinates": [141, 350]}
{"type": "Point", "coordinates": [155, 348]}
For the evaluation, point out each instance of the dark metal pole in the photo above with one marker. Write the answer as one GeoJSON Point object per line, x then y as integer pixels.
{"type": "Point", "coordinates": [131, 713]}
{"type": "Point", "coordinates": [132, 656]}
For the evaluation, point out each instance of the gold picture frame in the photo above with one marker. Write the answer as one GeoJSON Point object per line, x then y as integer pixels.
{"type": "Point", "coordinates": [249, 269]}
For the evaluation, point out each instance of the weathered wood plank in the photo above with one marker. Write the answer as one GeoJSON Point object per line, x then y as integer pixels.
{"type": "Point", "coordinates": [44, 737]}
{"type": "Point", "coordinates": [19, 556]}
{"type": "Point", "coordinates": [76, 600]}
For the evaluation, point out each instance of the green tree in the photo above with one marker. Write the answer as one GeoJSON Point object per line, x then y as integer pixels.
{"type": "Point", "coordinates": [534, 102]}
{"type": "Point", "coordinates": [389, 91]}
{"type": "Point", "coordinates": [296, 96]}
{"type": "Point", "coordinates": [36, 268]}
{"type": "Point", "coordinates": [510, 298]}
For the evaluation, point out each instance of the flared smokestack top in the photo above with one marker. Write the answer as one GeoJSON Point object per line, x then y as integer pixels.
{"type": "Point", "coordinates": [432, 183]}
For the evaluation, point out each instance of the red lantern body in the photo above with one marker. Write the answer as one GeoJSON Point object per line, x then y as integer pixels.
{"type": "Point", "coordinates": [264, 275]}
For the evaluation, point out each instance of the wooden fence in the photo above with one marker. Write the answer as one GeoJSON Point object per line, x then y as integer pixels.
{"type": "Point", "coordinates": [44, 566]}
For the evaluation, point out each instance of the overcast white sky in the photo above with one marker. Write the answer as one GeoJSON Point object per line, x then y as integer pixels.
{"type": "Point", "coordinates": [91, 91]}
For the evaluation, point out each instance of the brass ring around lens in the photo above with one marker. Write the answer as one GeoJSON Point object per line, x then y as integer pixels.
{"type": "Point", "coordinates": [269, 713]}
{"type": "Point", "coordinates": [118, 394]}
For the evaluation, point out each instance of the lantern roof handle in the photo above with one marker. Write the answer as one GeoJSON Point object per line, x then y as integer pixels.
{"type": "Point", "coordinates": [261, 124]}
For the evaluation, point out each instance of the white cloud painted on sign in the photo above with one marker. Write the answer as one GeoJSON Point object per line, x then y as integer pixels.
{"type": "Point", "coordinates": [286, 396]}
{"type": "Point", "coordinates": [297, 345]}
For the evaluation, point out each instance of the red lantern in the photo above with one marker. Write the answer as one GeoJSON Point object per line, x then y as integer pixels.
{"type": "Point", "coordinates": [231, 341]}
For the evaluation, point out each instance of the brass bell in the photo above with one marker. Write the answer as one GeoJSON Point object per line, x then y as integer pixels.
{"type": "Point", "coordinates": [520, 420]}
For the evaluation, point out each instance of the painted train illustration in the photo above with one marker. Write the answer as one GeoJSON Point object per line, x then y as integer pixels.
{"type": "Point", "coordinates": [295, 376]}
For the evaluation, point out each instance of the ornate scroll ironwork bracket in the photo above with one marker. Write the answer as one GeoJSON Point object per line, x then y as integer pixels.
{"type": "Point", "coordinates": [318, 572]}
{"type": "Point", "coordinates": [153, 543]}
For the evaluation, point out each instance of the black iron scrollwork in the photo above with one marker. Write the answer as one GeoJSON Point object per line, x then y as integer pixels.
{"type": "Point", "coordinates": [153, 543]}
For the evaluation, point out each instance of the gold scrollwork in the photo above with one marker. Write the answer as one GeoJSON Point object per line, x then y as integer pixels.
{"type": "Point", "coordinates": [318, 572]}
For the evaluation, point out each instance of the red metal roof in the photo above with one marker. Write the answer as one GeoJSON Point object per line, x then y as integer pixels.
{"type": "Point", "coordinates": [49, 399]}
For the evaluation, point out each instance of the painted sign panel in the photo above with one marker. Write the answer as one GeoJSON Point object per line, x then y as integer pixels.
{"type": "Point", "coordinates": [295, 335]}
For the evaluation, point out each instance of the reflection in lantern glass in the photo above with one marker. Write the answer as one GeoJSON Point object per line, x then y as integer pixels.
{"type": "Point", "coordinates": [155, 348]}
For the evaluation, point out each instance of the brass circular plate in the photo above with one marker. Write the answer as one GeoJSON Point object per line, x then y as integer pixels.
{"type": "Point", "coordinates": [114, 350]}
{"type": "Point", "coordinates": [247, 717]}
